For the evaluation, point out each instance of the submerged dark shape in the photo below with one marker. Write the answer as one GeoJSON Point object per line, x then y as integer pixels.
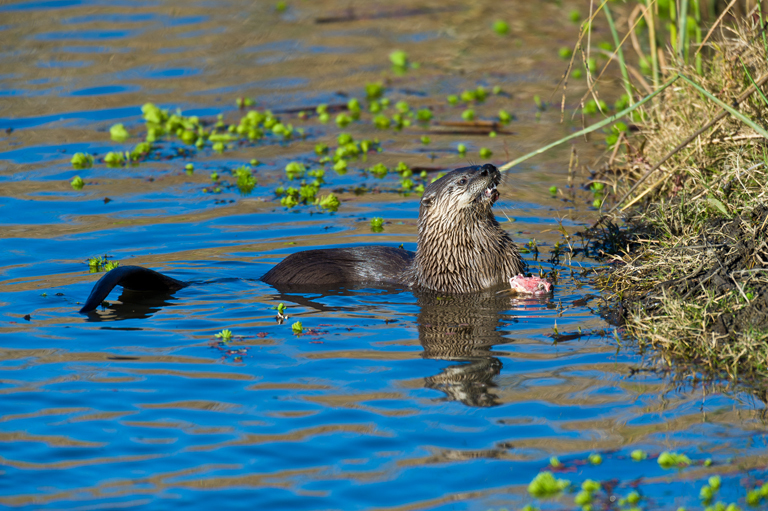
{"type": "Point", "coordinates": [461, 249]}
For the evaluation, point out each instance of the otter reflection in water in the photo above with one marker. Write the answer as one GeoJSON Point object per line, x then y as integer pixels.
{"type": "Point", "coordinates": [463, 329]}
{"type": "Point", "coordinates": [458, 329]}
{"type": "Point", "coordinates": [461, 248]}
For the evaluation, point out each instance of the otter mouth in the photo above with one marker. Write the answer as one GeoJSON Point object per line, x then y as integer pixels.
{"type": "Point", "coordinates": [491, 193]}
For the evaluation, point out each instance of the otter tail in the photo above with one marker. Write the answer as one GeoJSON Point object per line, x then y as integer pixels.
{"type": "Point", "coordinates": [133, 278]}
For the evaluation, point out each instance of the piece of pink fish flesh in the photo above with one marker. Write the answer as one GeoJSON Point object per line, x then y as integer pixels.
{"type": "Point", "coordinates": [530, 285]}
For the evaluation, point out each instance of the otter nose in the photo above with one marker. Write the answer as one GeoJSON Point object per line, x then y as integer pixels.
{"type": "Point", "coordinates": [487, 169]}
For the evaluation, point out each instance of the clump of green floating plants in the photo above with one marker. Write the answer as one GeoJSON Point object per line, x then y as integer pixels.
{"type": "Point", "coordinates": [77, 183]}
{"type": "Point", "coordinates": [297, 327]}
{"type": "Point", "coordinates": [592, 107]}
{"type": "Point", "coordinates": [501, 27]}
{"type": "Point", "coordinates": [245, 180]}
{"type": "Point", "coordinates": [99, 264]}
{"type": "Point", "coordinates": [588, 489]}
{"type": "Point", "coordinates": [377, 224]}
{"type": "Point", "coordinates": [224, 335]}
{"type": "Point", "coordinates": [115, 158]}
{"type": "Point", "coordinates": [379, 170]}
{"type": "Point", "coordinates": [374, 90]}
{"type": "Point", "coordinates": [400, 62]}
{"type": "Point", "coordinates": [82, 160]}
{"type": "Point", "coordinates": [544, 485]}
{"type": "Point", "coordinates": [669, 460]}
{"type": "Point", "coordinates": [118, 133]}
{"type": "Point", "coordinates": [244, 102]}
{"type": "Point", "coordinates": [328, 202]}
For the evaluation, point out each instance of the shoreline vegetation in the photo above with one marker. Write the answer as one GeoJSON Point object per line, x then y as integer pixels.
{"type": "Point", "coordinates": [685, 206]}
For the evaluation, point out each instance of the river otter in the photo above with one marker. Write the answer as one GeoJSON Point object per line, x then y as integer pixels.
{"type": "Point", "coordinates": [461, 249]}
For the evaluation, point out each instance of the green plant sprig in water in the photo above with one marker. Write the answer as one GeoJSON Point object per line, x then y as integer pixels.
{"type": "Point", "coordinates": [77, 183]}
{"type": "Point", "coordinates": [101, 264]}
{"type": "Point", "coordinates": [669, 460]}
{"type": "Point", "coordinates": [377, 224]}
{"type": "Point", "coordinates": [545, 485]}
{"type": "Point", "coordinates": [328, 202]}
{"type": "Point", "coordinates": [245, 180]}
{"type": "Point", "coordinates": [82, 161]}
{"type": "Point", "coordinates": [118, 133]}
{"type": "Point", "coordinates": [224, 335]}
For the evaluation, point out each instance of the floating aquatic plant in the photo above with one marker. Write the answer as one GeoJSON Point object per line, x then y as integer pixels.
{"type": "Point", "coordinates": [82, 160]}
{"type": "Point", "coordinates": [544, 485]}
{"type": "Point", "coordinates": [673, 460]}
{"type": "Point", "coordinates": [501, 27]}
{"type": "Point", "coordinates": [118, 133]}
{"type": "Point", "coordinates": [245, 180]}
{"type": "Point", "coordinates": [77, 183]}
{"type": "Point", "coordinates": [224, 335]}
{"type": "Point", "coordinates": [114, 159]}
{"type": "Point", "coordinates": [377, 224]}
{"type": "Point", "coordinates": [399, 61]}
{"type": "Point", "coordinates": [329, 202]}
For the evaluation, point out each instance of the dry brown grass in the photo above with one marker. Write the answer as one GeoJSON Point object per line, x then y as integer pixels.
{"type": "Point", "coordinates": [695, 283]}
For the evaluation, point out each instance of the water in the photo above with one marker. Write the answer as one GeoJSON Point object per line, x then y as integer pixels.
{"type": "Point", "coordinates": [390, 399]}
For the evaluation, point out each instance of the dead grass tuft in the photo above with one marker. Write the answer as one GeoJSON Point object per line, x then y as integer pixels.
{"type": "Point", "coordinates": [695, 283]}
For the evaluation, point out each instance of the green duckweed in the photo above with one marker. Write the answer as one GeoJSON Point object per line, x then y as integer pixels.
{"type": "Point", "coordinates": [82, 160]}
{"type": "Point", "coordinates": [501, 27]}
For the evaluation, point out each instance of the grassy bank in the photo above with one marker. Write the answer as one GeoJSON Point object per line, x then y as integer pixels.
{"type": "Point", "coordinates": [691, 184]}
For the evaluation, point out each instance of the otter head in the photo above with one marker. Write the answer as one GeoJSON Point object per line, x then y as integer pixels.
{"type": "Point", "coordinates": [468, 189]}
{"type": "Point", "coordinates": [461, 247]}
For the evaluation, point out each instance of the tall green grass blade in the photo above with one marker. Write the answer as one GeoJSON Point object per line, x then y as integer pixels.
{"type": "Point", "coordinates": [743, 118]}
{"type": "Point", "coordinates": [590, 129]}
{"type": "Point", "coordinates": [619, 54]}
{"type": "Point", "coordinates": [762, 26]}
{"type": "Point", "coordinates": [682, 32]}
{"type": "Point", "coordinates": [765, 100]}
{"type": "Point", "coordinates": [651, 21]}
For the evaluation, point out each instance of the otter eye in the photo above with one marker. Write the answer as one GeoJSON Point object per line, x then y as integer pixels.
{"type": "Point", "coordinates": [463, 181]}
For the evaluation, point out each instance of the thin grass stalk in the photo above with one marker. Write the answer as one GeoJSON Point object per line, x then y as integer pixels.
{"type": "Point", "coordinates": [697, 16]}
{"type": "Point", "coordinates": [743, 118]}
{"type": "Point", "coordinates": [682, 32]}
{"type": "Point", "coordinates": [762, 25]}
{"type": "Point", "coordinates": [650, 18]}
{"type": "Point", "coordinates": [672, 27]}
{"type": "Point", "coordinates": [765, 100]}
{"type": "Point", "coordinates": [590, 129]}
{"type": "Point", "coordinates": [619, 54]}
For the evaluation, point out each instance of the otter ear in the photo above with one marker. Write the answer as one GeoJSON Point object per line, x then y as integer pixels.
{"type": "Point", "coordinates": [428, 198]}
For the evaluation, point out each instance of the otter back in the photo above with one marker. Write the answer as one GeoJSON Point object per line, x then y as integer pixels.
{"type": "Point", "coordinates": [340, 265]}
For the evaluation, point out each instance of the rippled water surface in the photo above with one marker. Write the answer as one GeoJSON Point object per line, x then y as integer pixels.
{"type": "Point", "coordinates": [389, 399]}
